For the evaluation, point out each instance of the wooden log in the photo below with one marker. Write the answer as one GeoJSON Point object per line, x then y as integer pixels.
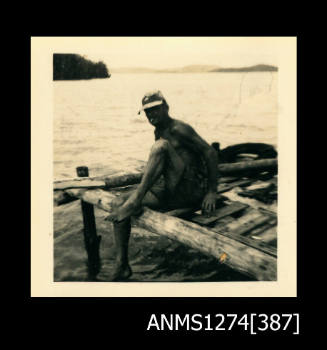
{"type": "Point", "coordinates": [102, 199]}
{"type": "Point", "coordinates": [257, 165]}
{"type": "Point", "coordinates": [91, 240]}
{"type": "Point", "coordinates": [237, 255]}
{"type": "Point", "coordinates": [117, 180]}
{"type": "Point", "coordinates": [79, 183]}
{"type": "Point", "coordinates": [125, 179]}
{"type": "Point", "coordinates": [242, 257]}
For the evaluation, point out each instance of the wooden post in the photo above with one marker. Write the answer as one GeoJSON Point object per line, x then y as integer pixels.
{"type": "Point", "coordinates": [216, 146]}
{"type": "Point", "coordinates": [91, 240]}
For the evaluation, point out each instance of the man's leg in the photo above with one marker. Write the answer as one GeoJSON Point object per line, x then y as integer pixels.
{"type": "Point", "coordinates": [163, 159]}
{"type": "Point", "coordinates": [161, 154]}
{"type": "Point", "coordinates": [122, 231]}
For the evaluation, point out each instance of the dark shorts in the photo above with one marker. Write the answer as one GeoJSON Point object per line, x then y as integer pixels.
{"type": "Point", "coordinates": [189, 191]}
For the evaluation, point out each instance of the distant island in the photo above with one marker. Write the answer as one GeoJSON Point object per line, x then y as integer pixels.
{"type": "Point", "coordinates": [75, 67]}
{"type": "Point", "coordinates": [256, 68]}
{"type": "Point", "coordinates": [198, 69]}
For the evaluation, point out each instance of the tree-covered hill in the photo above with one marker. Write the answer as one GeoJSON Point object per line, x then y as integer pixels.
{"type": "Point", "coordinates": [74, 67]}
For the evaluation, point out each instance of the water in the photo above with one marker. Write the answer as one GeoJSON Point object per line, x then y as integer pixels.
{"type": "Point", "coordinates": [96, 122]}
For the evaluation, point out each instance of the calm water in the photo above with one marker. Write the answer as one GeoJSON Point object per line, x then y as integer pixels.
{"type": "Point", "coordinates": [96, 122]}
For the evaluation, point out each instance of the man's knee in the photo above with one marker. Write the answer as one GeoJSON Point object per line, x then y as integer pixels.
{"type": "Point", "coordinates": [160, 146]}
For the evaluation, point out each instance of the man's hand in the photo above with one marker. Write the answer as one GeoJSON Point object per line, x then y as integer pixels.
{"type": "Point", "coordinates": [209, 203]}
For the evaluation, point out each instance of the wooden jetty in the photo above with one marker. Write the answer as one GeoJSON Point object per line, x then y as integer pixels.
{"type": "Point", "coordinates": [238, 234]}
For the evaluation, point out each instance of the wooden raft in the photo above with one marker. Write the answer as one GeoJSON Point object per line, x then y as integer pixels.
{"type": "Point", "coordinates": [242, 237]}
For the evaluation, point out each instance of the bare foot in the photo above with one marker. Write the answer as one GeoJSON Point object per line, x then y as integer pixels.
{"type": "Point", "coordinates": [121, 273]}
{"type": "Point", "coordinates": [130, 207]}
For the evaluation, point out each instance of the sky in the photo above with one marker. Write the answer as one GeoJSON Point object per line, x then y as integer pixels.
{"type": "Point", "coordinates": [169, 52]}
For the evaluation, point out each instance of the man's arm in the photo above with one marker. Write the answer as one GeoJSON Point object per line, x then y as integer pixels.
{"type": "Point", "coordinates": [188, 136]}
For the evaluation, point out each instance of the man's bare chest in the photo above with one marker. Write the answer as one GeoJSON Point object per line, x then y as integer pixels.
{"type": "Point", "coordinates": [173, 140]}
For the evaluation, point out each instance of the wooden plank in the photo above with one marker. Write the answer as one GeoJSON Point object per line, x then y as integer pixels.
{"type": "Point", "coordinates": [224, 221]}
{"type": "Point", "coordinates": [260, 245]}
{"type": "Point", "coordinates": [268, 235]}
{"type": "Point", "coordinates": [251, 224]}
{"type": "Point", "coordinates": [250, 220]}
{"type": "Point", "coordinates": [234, 223]}
{"type": "Point", "coordinates": [229, 209]}
{"type": "Point", "coordinates": [258, 230]}
{"type": "Point", "coordinates": [231, 227]}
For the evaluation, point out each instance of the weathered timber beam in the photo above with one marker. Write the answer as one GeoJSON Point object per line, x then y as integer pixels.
{"type": "Point", "coordinates": [79, 183]}
{"type": "Point", "coordinates": [102, 199]}
{"type": "Point", "coordinates": [126, 179]}
{"type": "Point", "coordinates": [254, 165]}
{"type": "Point", "coordinates": [233, 253]}
{"type": "Point", "coordinates": [118, 180]}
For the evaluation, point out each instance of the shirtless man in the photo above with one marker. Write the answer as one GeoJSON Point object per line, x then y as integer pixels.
{"type": "Point", "coordinates": [181, 171]}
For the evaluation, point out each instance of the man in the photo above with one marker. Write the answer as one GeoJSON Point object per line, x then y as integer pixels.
{"type": "Point", "coordinates": [181, 171]}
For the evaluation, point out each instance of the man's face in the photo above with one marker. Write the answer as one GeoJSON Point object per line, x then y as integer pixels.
{"type": "Point", "coordinates": [155, 114]}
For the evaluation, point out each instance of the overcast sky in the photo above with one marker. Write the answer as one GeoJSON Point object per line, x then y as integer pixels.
{"type": "Point", "coordinates": [168, 52]}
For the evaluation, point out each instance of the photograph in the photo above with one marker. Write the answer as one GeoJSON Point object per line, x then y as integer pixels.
{"type": "Point", "coordinates": [163, 157]}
